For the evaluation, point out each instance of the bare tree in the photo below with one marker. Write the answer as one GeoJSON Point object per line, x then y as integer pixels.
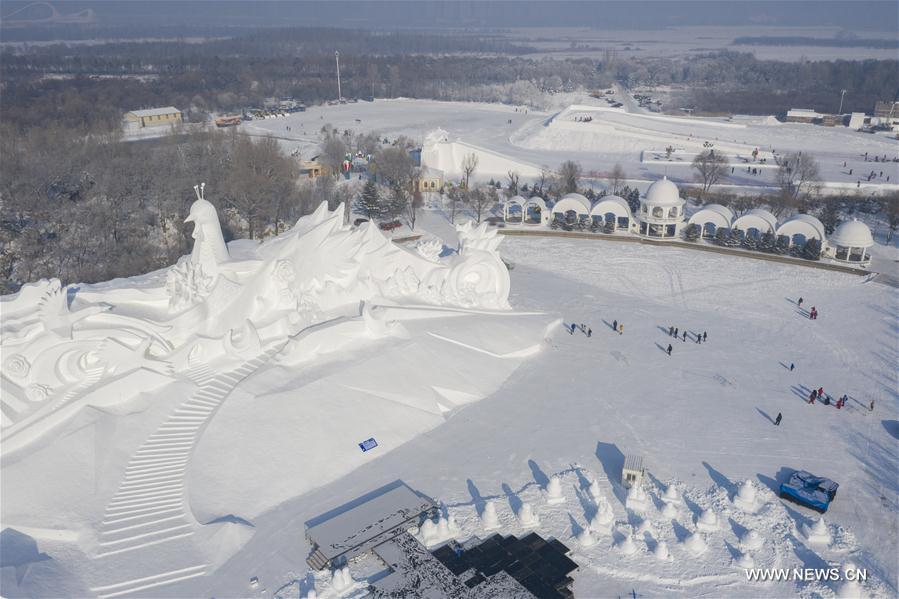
{"type": "Point", "coordinates": [513, 182]}
{"type": "Point", "coordinates": [710, 167]}
{"type": "Point", "coordinates": [616, 179]}
{"type": "Point", "coordinates": [412, 207]}
{"type": "Point", "coordinates": [481, 199]}
{"type": "Point", "coordinates": [454, 196]}
{"type": "Point", "coordinates": [797, 178]}
{"type": "Point", "coordinates": [333, 152]}
{"type": "Point", "coordinates": [541, 181]}
{"type": "Point", "coordinates": [892, 214]}
{"type": "Point", "coordinates": [469, 166]}
{"type": "Point", "coordinates": [569, 176]}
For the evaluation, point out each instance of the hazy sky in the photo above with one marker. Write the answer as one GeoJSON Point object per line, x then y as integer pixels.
{"type": "Point", "coordinates": [851, 14]}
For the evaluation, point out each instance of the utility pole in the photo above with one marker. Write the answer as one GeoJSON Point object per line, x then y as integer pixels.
{"type": "Point", "coordinates": [840, 111]}
{"type": "Point", "coordinates": [337, 58]}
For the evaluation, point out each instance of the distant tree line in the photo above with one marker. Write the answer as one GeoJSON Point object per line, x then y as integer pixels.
{"type": "Point", "coordinates": [91, 208]}
{"type": "Point", "coordinates": [833, 42]}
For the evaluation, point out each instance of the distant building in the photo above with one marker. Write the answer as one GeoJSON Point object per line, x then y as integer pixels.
{"type": "Point", "coordinates": [152, 117]}
{"type": "Point", "coordinates": [888, 114]}
{"type": "Point", "coordinates": [803, 115]}
{"type": "Point", "coordinates": [312, 169]}
{"type": "Point", "coordinates": [831, 120]}
{"type": "Point", "coordinates": [857, 120]}
{"type": "Point", "coordinates": [429, 179]}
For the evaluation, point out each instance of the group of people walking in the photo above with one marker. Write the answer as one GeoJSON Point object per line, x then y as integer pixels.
{"type": "Point", "coordinates": [812, 314]}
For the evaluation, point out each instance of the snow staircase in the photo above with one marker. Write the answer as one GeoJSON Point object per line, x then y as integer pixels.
{"type": "Point", "coordinates": [150, 506]}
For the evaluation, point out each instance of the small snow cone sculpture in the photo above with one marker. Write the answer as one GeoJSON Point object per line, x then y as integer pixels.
{"type": "Point", "coordinates": [602, 520]}
{"type": "Point", "coordinates": [671, 495]}
{"type": "Point", "coordinates": [585, 538]}
{"type": "Point", "coordinates": [751, 540]}
{"type": "Point", "coordinates": [817, 533]}
{"type": "Point", "coordinates": [661, 552]}
{"type": "Point", "coordinates": [695, 544]}
{"type": "Point", "coordinates": [637, 499]}
{"type": "Point", "coordinates": [311, 594]}
{"type": "Point", "coordinates": [489, 519]}
{"type": "Point", "coordinates": [745, 561]}
{"type": "Point", "coordinates": [627, 545]}
{"type": "Point", "coordinates": [527, 517]}
{"type": "Point", "coordinates": [595, 491]}
{"type": "Point", "coordinates": [850, 588]}
{"type": "Point", "coordinates": [708, 521]}
{"type": "Point", "coordinates": [342, 579]}
{"type": "Point", "coordinates": [554, 491]}
{"type": "Point", "coordinates": [746, 499]}
{"type": "Point", "coordinates": [427, 531]}
{"type": "Point", "coordinates": [669, 510]}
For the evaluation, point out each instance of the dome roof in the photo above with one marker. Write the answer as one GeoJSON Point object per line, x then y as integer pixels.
{"type": "Point", "coordinates": [662, 193]}
{"type": "Point", "coordinates": [852, 233]}
{"type": "Point", "coordinates": [804, 224]}
{"type": "Point", "coordinates": [611, 203]}
{"type": "Point", "coordinates": [756, 219]}
{"type": "Point", "coordinates": [517, 200]}
{"type": "Point", "coordinates": [719, 215]}
{"type": "Point", "coordinates": [574, 202]}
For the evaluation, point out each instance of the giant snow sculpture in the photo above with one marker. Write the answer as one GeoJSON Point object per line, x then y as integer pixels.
{"type": "Point", "coordinates": [62, 346]}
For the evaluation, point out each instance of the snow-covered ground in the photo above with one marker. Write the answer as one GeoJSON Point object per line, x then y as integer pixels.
{"type": "Point", "coordinates": [535, 139]}
{"type": "Point", "coordinates": [701, 418]}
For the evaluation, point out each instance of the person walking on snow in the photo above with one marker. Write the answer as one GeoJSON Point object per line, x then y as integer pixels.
{"type": "Point", "coordinates": [799, 303]}
{"type": "Point", "coordinates": [812, 396]}
{"type": "Point", "coordinates": [670, 331]}
{"type": "Point", "coordinates": [614, 325]}
{"type": "Point", "coordinates": [792, 366]}
{"type": "Point", "coordinates": [820, 391]}
{"type": "Point", "coordinates": [675, 332]}
{"type": "Point", "coordinates": [778, 419]}
{"type": "Point", "coordinates": [589, 332]}
{"type": "Point", "coordinates": [669, 349]}
{"type": "Point", "coordinates": [685, 336]}
{"type": "Point", "coordinates": [621, 329]}
{"type": "Point", "coordinates": [871, 406]}
{"type": "Point", "coordinates": [704, 336]}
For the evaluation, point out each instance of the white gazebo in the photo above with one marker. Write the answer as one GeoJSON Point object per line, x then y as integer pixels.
{"type": "Point", "coordinates": [612, 209]}
{"type": "Point", "coordinates": [755, 223]}
{"type": "Point", "coordinates": [535, 212]}
{"type": "Point", "coordinates": [513, 210]}
{"type": "Point", "coordinates": [571, 207]}
{"type": "Point", "coordinates": [661, 210]}
{"type": "Point", "coordinates": [710, 218]}
{"type": "Point", "coordinates": [850, 243]}
{"type": "Point", "coordinates": [800, 228]}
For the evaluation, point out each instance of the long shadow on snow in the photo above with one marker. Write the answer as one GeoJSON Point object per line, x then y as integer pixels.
{"type": "Point", "coordinates": [719, 479]}
{"type": "Point", "coordinates": [612, 461]}
{"type": "Point", "coordinates": [476, 497]}
{"type": "Point", "coordinates": [514, 500]}
{"type": "Point", "coordinates": [765, 414]}
{"type": "Point", "coordinates": [539, 475]}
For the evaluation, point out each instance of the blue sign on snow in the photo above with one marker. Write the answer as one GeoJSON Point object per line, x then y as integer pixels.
{"type": "Point", "coordinates": [368, 444]}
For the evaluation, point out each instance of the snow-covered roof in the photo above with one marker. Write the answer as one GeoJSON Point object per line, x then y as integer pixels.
{"type": "Point", "coordinates": [853, 234]}
{"type": "Point", "coordinates": [574, 202]}
{"type": "Point", "coordinates": [516, 199]}
{"type": "Point", "coordinates": [611, 203]}
{"type": "Point", "coordinates": [535, 200]}
{"type": "Point", "coordinates": [756, 218]}
{"type": "Point", "coordinates": [803, 224]}
{"type": "Point", "coordinates": [662, 193]}
{"type": "Point", "coordinates": [720, 216]}
{"type": "Point", "coordinates": [155, 111]}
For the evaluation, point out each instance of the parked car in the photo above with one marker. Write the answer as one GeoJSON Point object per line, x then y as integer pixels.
{"type": "Point", "coordinates": [390, 225]}
{"type": "Point", "coordinates": [809, 490]}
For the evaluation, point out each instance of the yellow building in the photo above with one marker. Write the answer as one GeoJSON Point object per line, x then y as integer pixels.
{"type": "Point", "coordinates": [152, 117]}
{"type": "Point", "coordinates": [430, 179]}
{"type": "Point", "coordinates": [312, 169]}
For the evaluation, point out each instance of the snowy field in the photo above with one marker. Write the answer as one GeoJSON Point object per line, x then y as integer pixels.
{"type": "Point", "coordinates": [535, 139]}
{"type": "Point", "coordinates": [702, 418]}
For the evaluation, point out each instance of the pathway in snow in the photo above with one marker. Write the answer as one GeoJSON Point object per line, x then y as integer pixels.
{"type": "Point", "coordinates": [151, 505]}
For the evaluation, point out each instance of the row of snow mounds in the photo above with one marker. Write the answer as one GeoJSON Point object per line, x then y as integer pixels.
{"type": "Point", "coordinates": [150, 506]}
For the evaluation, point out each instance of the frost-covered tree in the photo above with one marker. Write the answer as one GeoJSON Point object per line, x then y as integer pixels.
{"type": "Point", "coordinates": [616, 178]}
{"type": "Point", "coordinates": [797, 178]}
{"type": "Point", "coordinates": [369, 201]}
{"type": "Point", "coordinates": [512, 186]}
{"type": "Point", "coordinates": [811, 250]}
{"type": "Point", "coordinates": [569, 176]}
{"type": "Point", "coordinates": [469, 166]}
{"type": "Point", "coordinates": [710, 167]}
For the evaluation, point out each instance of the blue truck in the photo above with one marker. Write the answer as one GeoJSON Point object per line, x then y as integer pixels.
{"type": "Point", "coordinates": [809, 490]}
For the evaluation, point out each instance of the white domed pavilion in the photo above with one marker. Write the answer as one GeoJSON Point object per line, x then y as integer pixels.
{"type": "Point", "coordinates": [850, 243]}
{"type": "Point", "coordinates": [710, 218]}
{"type": "Point", "coordinates": [612, 210]}
{"type": "Point", "coordinates": [661, 210]}
{"type": "Point", "coordinates": [801, 228]}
